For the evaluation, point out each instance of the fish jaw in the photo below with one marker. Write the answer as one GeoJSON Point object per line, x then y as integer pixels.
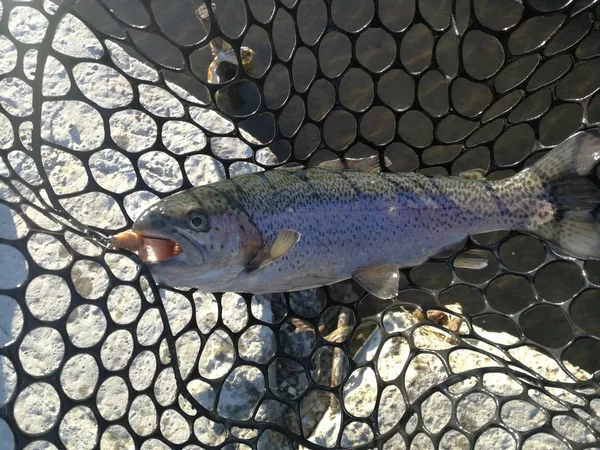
{"type": "Point", "coordinates": [165, 245]}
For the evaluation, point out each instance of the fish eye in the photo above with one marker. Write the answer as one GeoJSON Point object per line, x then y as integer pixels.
{"type": "Point", "coordinates": [198, 221]}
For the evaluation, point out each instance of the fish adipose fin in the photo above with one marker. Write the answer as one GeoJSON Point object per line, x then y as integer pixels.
{"type": "Point", "coordinates": [283, 244]}
{"type": "Point", "coordinates": [382, 281]}
{"type": "Point", "coordinates": [576, 199]}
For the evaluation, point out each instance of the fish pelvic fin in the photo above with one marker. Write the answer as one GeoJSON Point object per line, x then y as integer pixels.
{"type": "Point", "coordinates": [574, 227]}
{"type": "Point", "coordinates": [381, 281]}
{"type": "Point", "coordinates": [284, 242]}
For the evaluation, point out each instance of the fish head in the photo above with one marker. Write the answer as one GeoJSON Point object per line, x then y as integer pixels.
{"type": "Point", "coordinates": [196, 238]}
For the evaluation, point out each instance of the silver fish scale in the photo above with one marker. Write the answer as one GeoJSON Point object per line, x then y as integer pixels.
{"type": "Point", "coordinates": [107, 105]}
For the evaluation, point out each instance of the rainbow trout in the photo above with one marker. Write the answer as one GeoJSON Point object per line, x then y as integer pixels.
{"type": "Point", "coordinates": [292, 229]}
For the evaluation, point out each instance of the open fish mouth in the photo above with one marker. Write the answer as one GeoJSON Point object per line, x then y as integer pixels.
{"type": "Point", "coordinates": [155, 249]}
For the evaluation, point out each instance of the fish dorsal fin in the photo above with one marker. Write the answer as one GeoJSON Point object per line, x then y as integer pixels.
{"type": "Point", "coordinates": [474, 259]}
{"type": "Point", "coordinates": [473, 174]}
{"type": "Point", "coordinates": [368, 164]}
{"type": "Point", "coordinates": [380, 281]}
{"type": "Point", "coordinates": [283, 243]}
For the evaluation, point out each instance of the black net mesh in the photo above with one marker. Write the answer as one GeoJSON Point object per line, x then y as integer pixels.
{"type": "Point", "coordinates": [106, 106]}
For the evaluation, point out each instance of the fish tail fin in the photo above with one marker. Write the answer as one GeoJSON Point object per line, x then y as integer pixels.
{"type": "Point", "coordinates": [574, 226]}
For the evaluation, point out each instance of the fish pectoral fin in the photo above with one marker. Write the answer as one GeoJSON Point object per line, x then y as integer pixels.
{"type": "Point", "coordinates": [283, 244]}
{"type": "Point", "coordinates": [381, 281]}
{"type": "Point", "coordinates": [369, 164]}
{"type": "Point", "coordinates": [473, 175]}
{"type": "Point", "coordinates": [474, 259]}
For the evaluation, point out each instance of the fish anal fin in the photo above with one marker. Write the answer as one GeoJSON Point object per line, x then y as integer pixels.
{"type": "Point", "coordinates": [368, 164]}
{"type": "Point", "coordinates": [284, 242]}
{"type": "Point", "coordinates": [474, 259]}
{"type": "Point", "coordinates": [380, 281]}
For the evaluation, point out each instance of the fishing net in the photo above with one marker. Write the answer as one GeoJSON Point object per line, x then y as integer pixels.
{"type": "Point", "coordinates": [106, 106]}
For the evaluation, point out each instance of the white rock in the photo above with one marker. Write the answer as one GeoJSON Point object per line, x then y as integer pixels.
{"type": "Point", "coordinates": [207, 303]}
{"type": "Point", "coordinates": [436, 412]}
{"type": "Point", "coordinates": [131, 66]}
{"type": "Point", "coordinates": [72, 124]}
{"type": "Point", "coordinates": [475, 410]}
{"type": "Point", "coordinates": [165, 387]}
{"type": "Point", "coordinates": [241, 392]}
{"type": "Point", "coordinates": [160, 171]}
{"type": "Point", "coordinates": [242, 167]}
{"type": "Point", "coordinates": [230, 148]}
{"type": "Point", "coordinates": [25, 134]}
{"type": "Point", "coordinates": [187, 348]}
{"type": "Point", "coordinates": [74, 38]}
{"type": "Point", "coordinates": [142, 370]}
{"type": "Point", "coordinates": [79, 376]}
{"type": "Point", "coordinates": [30, 61]}
{"type": "Point", "coordinates": [40, 445]}
{"type": "Point", "coordinates": [150, 327]}
{"type": "Point", "coordinates": [27, 25]}
{"type": "Point", "coordinates": [235, 313]}
{"type": "Point", "coordinates": [65, 172]}
{"type": "Point", "coordinates": [112, 398]}
{"type": "Point", "coordinates": [178, 309]}
{"type": "Point", "coordinates": [209, 432]}
{"type": "Point", "coordinates": [183, 137]}
{"type": "Point", "coordinates": [360, 392]}
{"type": "Point", "coordinates": [137, 202]}
{"type": "Point", "coordinates": [392, 358]}
{"type": "Point", "coordinates": [36, 408]}
{"type": "Point", "coordinates": [79, 429]}
{"type": "Point", "coordinates": [203, 169]}
{"type": "Point", "coordinates": [211, 120]}
{"type": "Point", "coordinates": [174, 427]}
{"type": "Point", "coordinates": [218, 356]}
{"type": "Point", "coordinates": [103, 85]}
{"type": "Point", "coordinates": [356, 433]}
{"type": "Point", "coordinates": [113, 171]}
{"type": "Point", "coordinates": [25, 167]}
{"type": "Point", "coordinates": [89, 278]}
{"type": "Point", "coordinates": [16, 96]}
{"type": "Point", "coordinates": [81, 245]}
{"type": "Point", "coordinates": [203, 393]}
{"type": "Point", "coordinates": [41, 351]}
{"type": "Point", "coordinates": [7, 134]}
{"type": "Point", "coordinates": [86, 325]}
{"type": "Point", "coordinates": [391, 408]}
{"type": "Point", "coordinates": [573, 429]}
{"type": "Point", "coordinates": [116, 350]}
{"type": "Point", "coordinates": [142, 415]}
{"type": "Point", "coordinates": [133, 130]}
{"type": "Point", "coordinates": [159, 102]}
{"type": "Point", "coordinates": [539, 363]}
{"type": "Point", "coordinates": [48, 252]}
{"type": "Point", "coordinates": [496, 438]}
{"type": "Point", "coordinates": [124, 304]}
{"type": "Point", "coordinates": [121, 266]}
{"type": "Point", "coordinates": [85, 207]}
{"type": "Point", "coordinates": [424, 371]}
{"type": "Point", "coordinates": [116, 437]}
{"type": "Point", "coordinates": [257, 344]}
{"type": "Point", "coordinates": [56, 81]}
{"type": "Point", "coordinates": [9, 55]}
